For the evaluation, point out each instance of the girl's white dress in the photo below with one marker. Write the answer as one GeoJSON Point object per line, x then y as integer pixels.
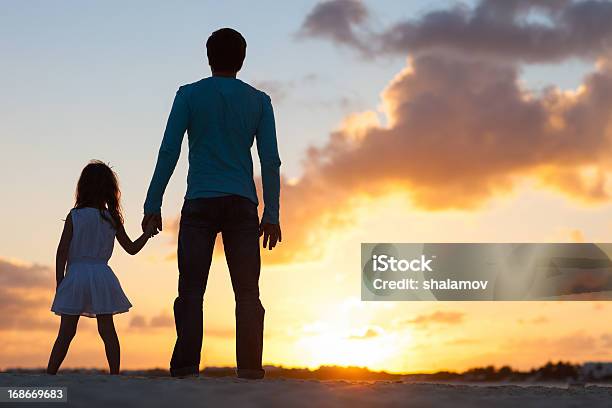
{"type": "Point", "coordinates": [90, 287]}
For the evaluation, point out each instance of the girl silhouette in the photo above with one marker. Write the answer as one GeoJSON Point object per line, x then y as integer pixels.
{"type": "Point", "coordinates": [89, 287]}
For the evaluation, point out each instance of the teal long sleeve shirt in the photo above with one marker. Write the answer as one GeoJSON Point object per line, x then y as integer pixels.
{"type": "Point", "coordinates": [222, 117]}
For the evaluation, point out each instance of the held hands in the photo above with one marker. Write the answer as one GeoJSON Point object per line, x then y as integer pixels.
{"type": "Point", "coordinates": [271, 233]}
{"type": "Point", "coordinates": [151, 224]}
{"type": "Point", "coordinates": [150, 230]}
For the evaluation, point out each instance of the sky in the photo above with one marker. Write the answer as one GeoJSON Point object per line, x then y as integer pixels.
{"type": "Point", "coordinates": [421, 121]}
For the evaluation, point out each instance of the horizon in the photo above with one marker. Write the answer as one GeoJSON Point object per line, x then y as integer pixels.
{"type": "Point", "coordinates": [369, 139]}
{"type": "Point", "coordinates": [319, 368]}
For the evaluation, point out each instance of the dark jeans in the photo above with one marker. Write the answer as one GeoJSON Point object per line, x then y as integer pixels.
{"type": "Point", "coordinates": [237, 220]}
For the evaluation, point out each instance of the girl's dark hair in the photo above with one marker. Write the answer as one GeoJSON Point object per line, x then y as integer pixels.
{"type": "Point", "coordinates": [98, 188]}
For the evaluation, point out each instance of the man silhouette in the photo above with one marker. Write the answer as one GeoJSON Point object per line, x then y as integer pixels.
{"type": "Point", "coordinates": [222, 116]}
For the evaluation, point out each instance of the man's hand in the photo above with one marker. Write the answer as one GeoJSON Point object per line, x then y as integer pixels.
{"type": "Point", "coordinates": [152, 223]}
{"type": "Point", "coordinates": [150, 229]}
{"type": "Point", "coordinates": [272, 234]}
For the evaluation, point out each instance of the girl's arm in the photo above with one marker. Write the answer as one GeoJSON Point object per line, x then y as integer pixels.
{"type": "Point", "coordinates": [61, 256]}
{"type": "Point", "coordinates": [126, 243]}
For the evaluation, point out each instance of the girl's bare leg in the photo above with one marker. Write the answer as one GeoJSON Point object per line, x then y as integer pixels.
{"type": "Point", "coordinates": [67, 330]}
{"type": "Point", "coordinates": [106, 328]}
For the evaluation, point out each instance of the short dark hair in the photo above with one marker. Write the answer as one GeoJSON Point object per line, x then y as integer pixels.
{"type": "Point", "coordinates": [226, 50]}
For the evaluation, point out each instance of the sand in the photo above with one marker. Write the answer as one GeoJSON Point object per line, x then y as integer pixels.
{"type": "Point", "coordinates": [90, 390]}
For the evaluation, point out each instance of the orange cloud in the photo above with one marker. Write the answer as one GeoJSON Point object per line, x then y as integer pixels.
{"type": "Point", "coordinates": [438, 317]}
{"type": "Point", "coordinates": [370, 333]}
{"type": "Point", "coordinates": [160, 321]}
{"type": "Point", "coordinates": [460, 132]}
{"type": "Point", "coordinates": [26, 292]}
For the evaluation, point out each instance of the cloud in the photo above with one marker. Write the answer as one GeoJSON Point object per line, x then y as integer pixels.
{"type": "Point", "coordinates": [438, 317]}
{"type": "Point", "coordinates": [458, 128]}
{"type": "Point", "coordinates": [370, 333]}
{"type": "Point", "coordinates": [461, 130]}
{"type": "Point", "coordinates": [458, 132]}
{"type": "Point", "coordinates": [22, 275]}
{"type": "Point", "coordinates": [526, 30]}
{"type": "Point", "coordinates": [339, 20]}
{"type": "Point", "coordinates": [280, 90]}
{"type": "Point", "coordinates": [26, 292]}
{"type": "Point", "coordinates": [162, 320]}
{"type": "Point", "coordinates": [277, 90]}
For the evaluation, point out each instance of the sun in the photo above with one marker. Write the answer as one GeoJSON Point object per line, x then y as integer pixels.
{"type": "Point", "coordinates": [336, 349]}
{"type": "Point", "coordinates": [348, 338]}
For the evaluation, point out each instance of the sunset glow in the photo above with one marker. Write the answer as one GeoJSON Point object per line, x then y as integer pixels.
{"type": "Point", "coordinates": [405, 144]}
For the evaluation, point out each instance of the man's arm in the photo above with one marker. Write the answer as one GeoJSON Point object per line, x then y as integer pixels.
{"type": "Point", "coordinates": [169, 153]}
{"type": "Point", "coordinates": [267, 149]}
